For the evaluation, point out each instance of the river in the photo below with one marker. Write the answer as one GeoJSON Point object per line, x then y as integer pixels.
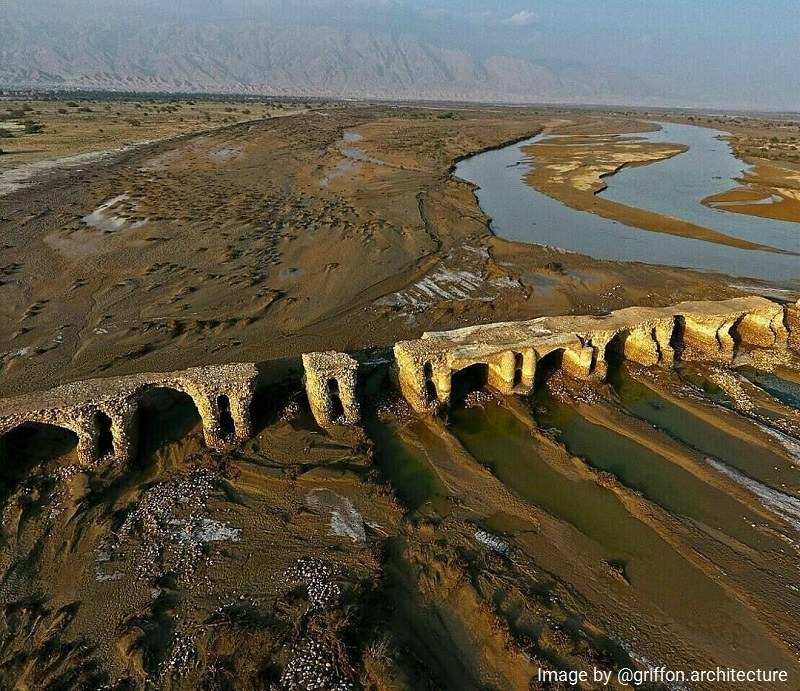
{"type": "Point", "coordinates": [674, 187]}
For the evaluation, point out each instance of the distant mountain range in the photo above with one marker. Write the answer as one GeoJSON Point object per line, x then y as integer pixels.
{"type": "Point", "coordinates": [257, 58]}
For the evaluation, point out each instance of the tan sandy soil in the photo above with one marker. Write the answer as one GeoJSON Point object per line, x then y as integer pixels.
{"type": "Point", "coordinates": [766, 181]}
{"type": "Point", "coordinates": [83, 126]}
{"type": "Point", "coordinates": [229, 246]}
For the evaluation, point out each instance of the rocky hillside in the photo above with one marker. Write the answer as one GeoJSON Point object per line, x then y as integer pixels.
{"type": "Point", "coordinates": [256, 57]}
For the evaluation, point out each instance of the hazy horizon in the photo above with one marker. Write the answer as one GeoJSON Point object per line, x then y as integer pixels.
{"type": "Point", "coordinates": [704, 54]}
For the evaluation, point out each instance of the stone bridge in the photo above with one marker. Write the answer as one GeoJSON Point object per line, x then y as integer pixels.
{"type": "Point", "coordinates": [102, 413]}
{"type": "Point", "coordinates": [106, 409]}
{"type": "Point", "coordinates": [511, 351]}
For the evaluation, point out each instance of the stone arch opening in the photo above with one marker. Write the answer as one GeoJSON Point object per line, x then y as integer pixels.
{"type": "Point", "coordinates": [736, 335]}
{"type": "Point", "coordinates": [678, 338]}
{"type": "Point", "coordinates": [616, 346]}
{"type": "Point", "coordinates": [165, 415]}
{"type": "Point", "coordinates": [31, 444]}
{"type": "Point", "coordinates": [227, 428]}
{"type": "Point", "coordinates": [614, 353]}
{"type": "Point", "coordinates": [519, 360]}
{"type": "Point", "coordinates": [472, 378]}
{"type": "Point", "coordinates": [105, 437]}
{"type": "Point", "coordinates": [431, 395]}
{"type": "Point", "coordinates": [547, 366]}
{"type": "Point", "coordinates": [337, 408]}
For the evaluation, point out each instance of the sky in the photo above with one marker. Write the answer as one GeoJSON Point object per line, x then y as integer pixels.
{"type": "Point", "coordinates": [708, 52]}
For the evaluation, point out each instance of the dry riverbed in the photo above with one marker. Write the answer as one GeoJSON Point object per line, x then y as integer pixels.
{"type": "Point", "coordinates": [404, 555]}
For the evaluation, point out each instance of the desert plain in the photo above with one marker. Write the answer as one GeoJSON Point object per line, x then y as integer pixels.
{"type": "Point", "coordinates": [631, 522]}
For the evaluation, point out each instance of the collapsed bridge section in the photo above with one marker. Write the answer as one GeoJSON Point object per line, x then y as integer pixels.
{"type": "Point", "coordinates": [330, 381]}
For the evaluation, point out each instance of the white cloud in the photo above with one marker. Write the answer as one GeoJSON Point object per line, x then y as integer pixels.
{"type": "Point", "coordinates": [522, 18]}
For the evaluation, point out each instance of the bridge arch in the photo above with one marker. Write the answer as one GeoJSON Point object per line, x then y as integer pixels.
{"type": "Point", "coordinates": [165, 413]}
{"type": "Point", "coordinates": [227, 427]}
{"type": "Point", "coordinates": [734, 332]}
{"type": "Point", "coordinates": [519, 364]}
{"type": "Point", "coordinates": [472, 377]}
{"type": "Point", "coordinates": [337, 407]}
{"type": "Point", "coordinates": [35, 441]}
{"type": "Point", "coordinates": [104, 429]}
{"type": "Point", "coordinates": [431, 393]}
{"type": "Point", "coordinates": [547, 364]}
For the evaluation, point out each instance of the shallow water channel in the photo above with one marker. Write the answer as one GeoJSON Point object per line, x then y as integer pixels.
{"type": "Point", "coordinates": [659, 479]}
{"type": "Point", "coordinates": [674, 187]}
{"type": "Point", "coordinates": [785, 391]}
{"type": "Point", "coordinates": [498, 439]}
{"type": "Point", "coordinates": [750, 458]}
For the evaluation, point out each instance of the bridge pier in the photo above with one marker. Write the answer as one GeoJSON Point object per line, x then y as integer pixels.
{"type": "Point", "coordinates": [579, 362]}
{"type": "Point", "coordinates": [330, 382]}
{"type": "Point", "coordinates": [501, 373]}
{"type": "Point", "coordinates": [240, 412]}
{"type": "Point", "coordinates": [642, 347]}
{"type": "Point", "coordinates": [216, 405]}
{"type": "Point", "coordinates": [423, 375]}
{"type": "Point", "coordinates": [124, 431]}
{"type": "Point", "coordinates": [708, 339]}
{"type": "Point", "coordinates": [513, 371]}
{"type": "Point", "coordinates": [765, 329]}
{"type": "Point", "coordinates": [663, 333]}
{"type": "Point", "coordinates": [88, 433]}
{"type": "Point", "coordinates": [208, 408]}
{"type": "Point", "coordinates": [793, 324]}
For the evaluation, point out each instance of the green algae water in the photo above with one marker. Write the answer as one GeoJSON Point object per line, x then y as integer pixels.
{"type": "Point", "coordinates": [754, 460]}
{"type": "Point", "coordinates": [498, 439]}
{"type": "Point", "coordinates": [405, 467]}
{"type": "Point", "coordinates": [660, 480]}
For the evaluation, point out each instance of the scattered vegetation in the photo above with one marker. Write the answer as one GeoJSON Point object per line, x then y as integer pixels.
{"type": "Point", "coordinates": [31, 127]}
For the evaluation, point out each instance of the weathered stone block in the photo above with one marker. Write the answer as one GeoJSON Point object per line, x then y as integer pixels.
{"type": "Point", "coordinates": [330, 382]}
